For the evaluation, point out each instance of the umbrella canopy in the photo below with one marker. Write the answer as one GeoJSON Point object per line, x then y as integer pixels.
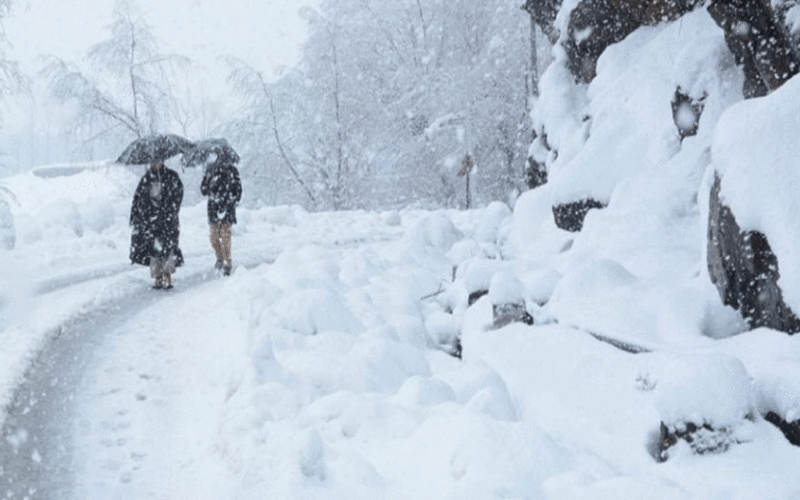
{"type": "Point", "coordinates": [199, 154]}
{"type": "Point", "coordinates": [154, 148]}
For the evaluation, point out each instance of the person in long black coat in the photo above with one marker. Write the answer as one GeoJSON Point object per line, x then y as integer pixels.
{"type": "Point", "coordinates": [222, 185]}
{"type": "Point", "coordinates": [156, 223]}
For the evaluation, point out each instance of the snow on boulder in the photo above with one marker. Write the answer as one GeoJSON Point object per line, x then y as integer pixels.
{"type": "Point", "coordinates": [475, 276]}
{"type": "Point", "coordinates": [436, 231]}
{"type": "Point", "coordinates": [493, 401]}
{"type": "Point", "coordinates": [444, 329]}
{"type": "Point", "coordinates": [423, 391]}
{"type": "Point", "coordinates": [771, 359]}
{"type": "Point", "coordinates": [507, 295]}
{"type": "Point", "coordinates": [593, 27]}
{"type": "Point", "coordinates": [464, 250]}
{"type": "Point", "coordinates": [706, 403]}
{"type": "Point", "coordinates": [758, 171]}
{"type": "Point", "coordinates": [539, 283]}
{"type": "Point", "coordinates": [533, 235]}
{"type": "Point", "coordinates": [505, 288]}
{"type": "Point", "coordinates": [492, 227]}
{"type": "Point", "coordinates": [602, 296]}
{"type": "Point", "coordinates": [621, 125]}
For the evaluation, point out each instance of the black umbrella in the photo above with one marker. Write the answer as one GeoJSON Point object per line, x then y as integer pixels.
{"type": "Point", "coordinates": [201, 150]}
{"type": "Point", "coordinates": [154, 148]}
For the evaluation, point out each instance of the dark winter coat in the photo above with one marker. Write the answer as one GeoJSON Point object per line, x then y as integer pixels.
{"type": "Point", "coordinates": [224, 190]}
{"type": "Point", "coordinates": [155, 217]}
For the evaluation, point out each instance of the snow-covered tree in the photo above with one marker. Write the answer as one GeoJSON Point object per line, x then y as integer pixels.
{"type": "Point", "coordinates": [271, 165]}
{"type": "Point", "coordinates": [390, 96]}
{"type": "Point", "coordinates": [126, 92]}
{"type": "Point", "coordinates": [10, 78]}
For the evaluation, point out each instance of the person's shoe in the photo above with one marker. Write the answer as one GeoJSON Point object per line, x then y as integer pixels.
{"type": "Point", "coordinates": [226, 269]}
{"type": "Point", "coordinates": [159, 284]}
{"type": "Point", "coordinates": [219, 264]}
{"type": "Point", "coordinates": [167, 281]}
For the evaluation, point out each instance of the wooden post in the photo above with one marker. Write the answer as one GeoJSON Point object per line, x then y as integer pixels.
{"type": "Point", "coordinates": [466, 166]}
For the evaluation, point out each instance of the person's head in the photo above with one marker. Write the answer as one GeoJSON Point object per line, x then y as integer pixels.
{"type": "Point", "coordinates": [157, 165]}
{"type": "Point", "coordinates": [212, 161]}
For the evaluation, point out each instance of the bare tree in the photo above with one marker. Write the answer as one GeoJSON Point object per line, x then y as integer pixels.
{"type": "Point", "coordinates": [126, 92]}
{"type": "Point", "coordinates": [388, 97]}
{"type": "Point", "coordinates": [261, 119]}
{"type": "Point", "coordinates": [11, 80]}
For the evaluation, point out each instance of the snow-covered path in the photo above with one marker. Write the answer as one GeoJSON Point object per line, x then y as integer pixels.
{"type": "Point", "coordinates": [147, 418]}
{"type": "Point", "coordinates": [70, 421]}
{"type": "Point", "coordinates": [125, 390]}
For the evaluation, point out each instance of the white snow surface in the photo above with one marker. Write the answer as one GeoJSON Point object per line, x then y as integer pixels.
{"type": "Point", "coordinates": [322, 367]}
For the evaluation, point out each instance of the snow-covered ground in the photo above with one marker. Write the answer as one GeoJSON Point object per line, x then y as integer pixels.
{"type": "Point", "coordinates": [315, 370]}
{"type": "Point", "coordinates": [322, 367]}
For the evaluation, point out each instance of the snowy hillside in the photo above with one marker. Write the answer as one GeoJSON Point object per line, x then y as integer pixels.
{"type": "Point", "coordinates": [356, 354]}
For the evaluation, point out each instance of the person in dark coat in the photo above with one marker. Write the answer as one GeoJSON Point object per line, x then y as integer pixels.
{"type": "Point", "coordinates": [223, 187]}
{"type": "Point", "coordinates": [156, 224]}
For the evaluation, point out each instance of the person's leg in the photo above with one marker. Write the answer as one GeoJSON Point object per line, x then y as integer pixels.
{"type": "Point", "coordinates": [169, 268]}
{"type": "Point", "coordinates": [216, 244]}
{"type": "Point", "coordinates": [157, 272]}
{"type": "Point", "coordinates": [225, 233]}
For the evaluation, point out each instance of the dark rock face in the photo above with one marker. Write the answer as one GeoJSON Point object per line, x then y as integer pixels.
{"type": "Point", "coordinates": [505, 314]}
{"type": "Point", "coordinates": [569, 216]}
{"type": "Point", "coordinates": [475, 296]}
{"type": "Point", "coordinates": [755, 33]}
{"type": "Point", "coordinates": [789, 429]}
{"type": "Point", "coordinates": [745, 271]}
{"type": "Point", "coordinates": [543, 13]}
{"type": "Point", "coordinates": [686, 112]}
{"type": "Point", "coordinates": [536, 168]}
{"type": "Point", "coordinates": [701, 439]}
{"type": "Point", "coordinates": [596, 24]}
{"type": "Point", "coordinates": [758, 40]}
{"type": "Point", "coordinates": [535, 173]}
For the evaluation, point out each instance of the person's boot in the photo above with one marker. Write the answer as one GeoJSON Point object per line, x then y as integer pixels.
{"type": "Point", "coordinates": [167, 281]}
{"type": "Point", "coordinates": [226, 268]}
{"type": "Point", "coordinates": [159, 284]}
{"type": "Point", "coordinates": [218, 265]}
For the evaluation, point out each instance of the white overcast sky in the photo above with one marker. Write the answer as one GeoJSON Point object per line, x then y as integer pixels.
{"type": "Point", "coordinates": [265, 33]}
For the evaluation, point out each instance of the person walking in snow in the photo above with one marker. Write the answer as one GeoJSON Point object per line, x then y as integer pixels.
{"type": "Point", "coordinates": [223, 187]}
{"type": "Point", "coordinates": [156, 224]}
